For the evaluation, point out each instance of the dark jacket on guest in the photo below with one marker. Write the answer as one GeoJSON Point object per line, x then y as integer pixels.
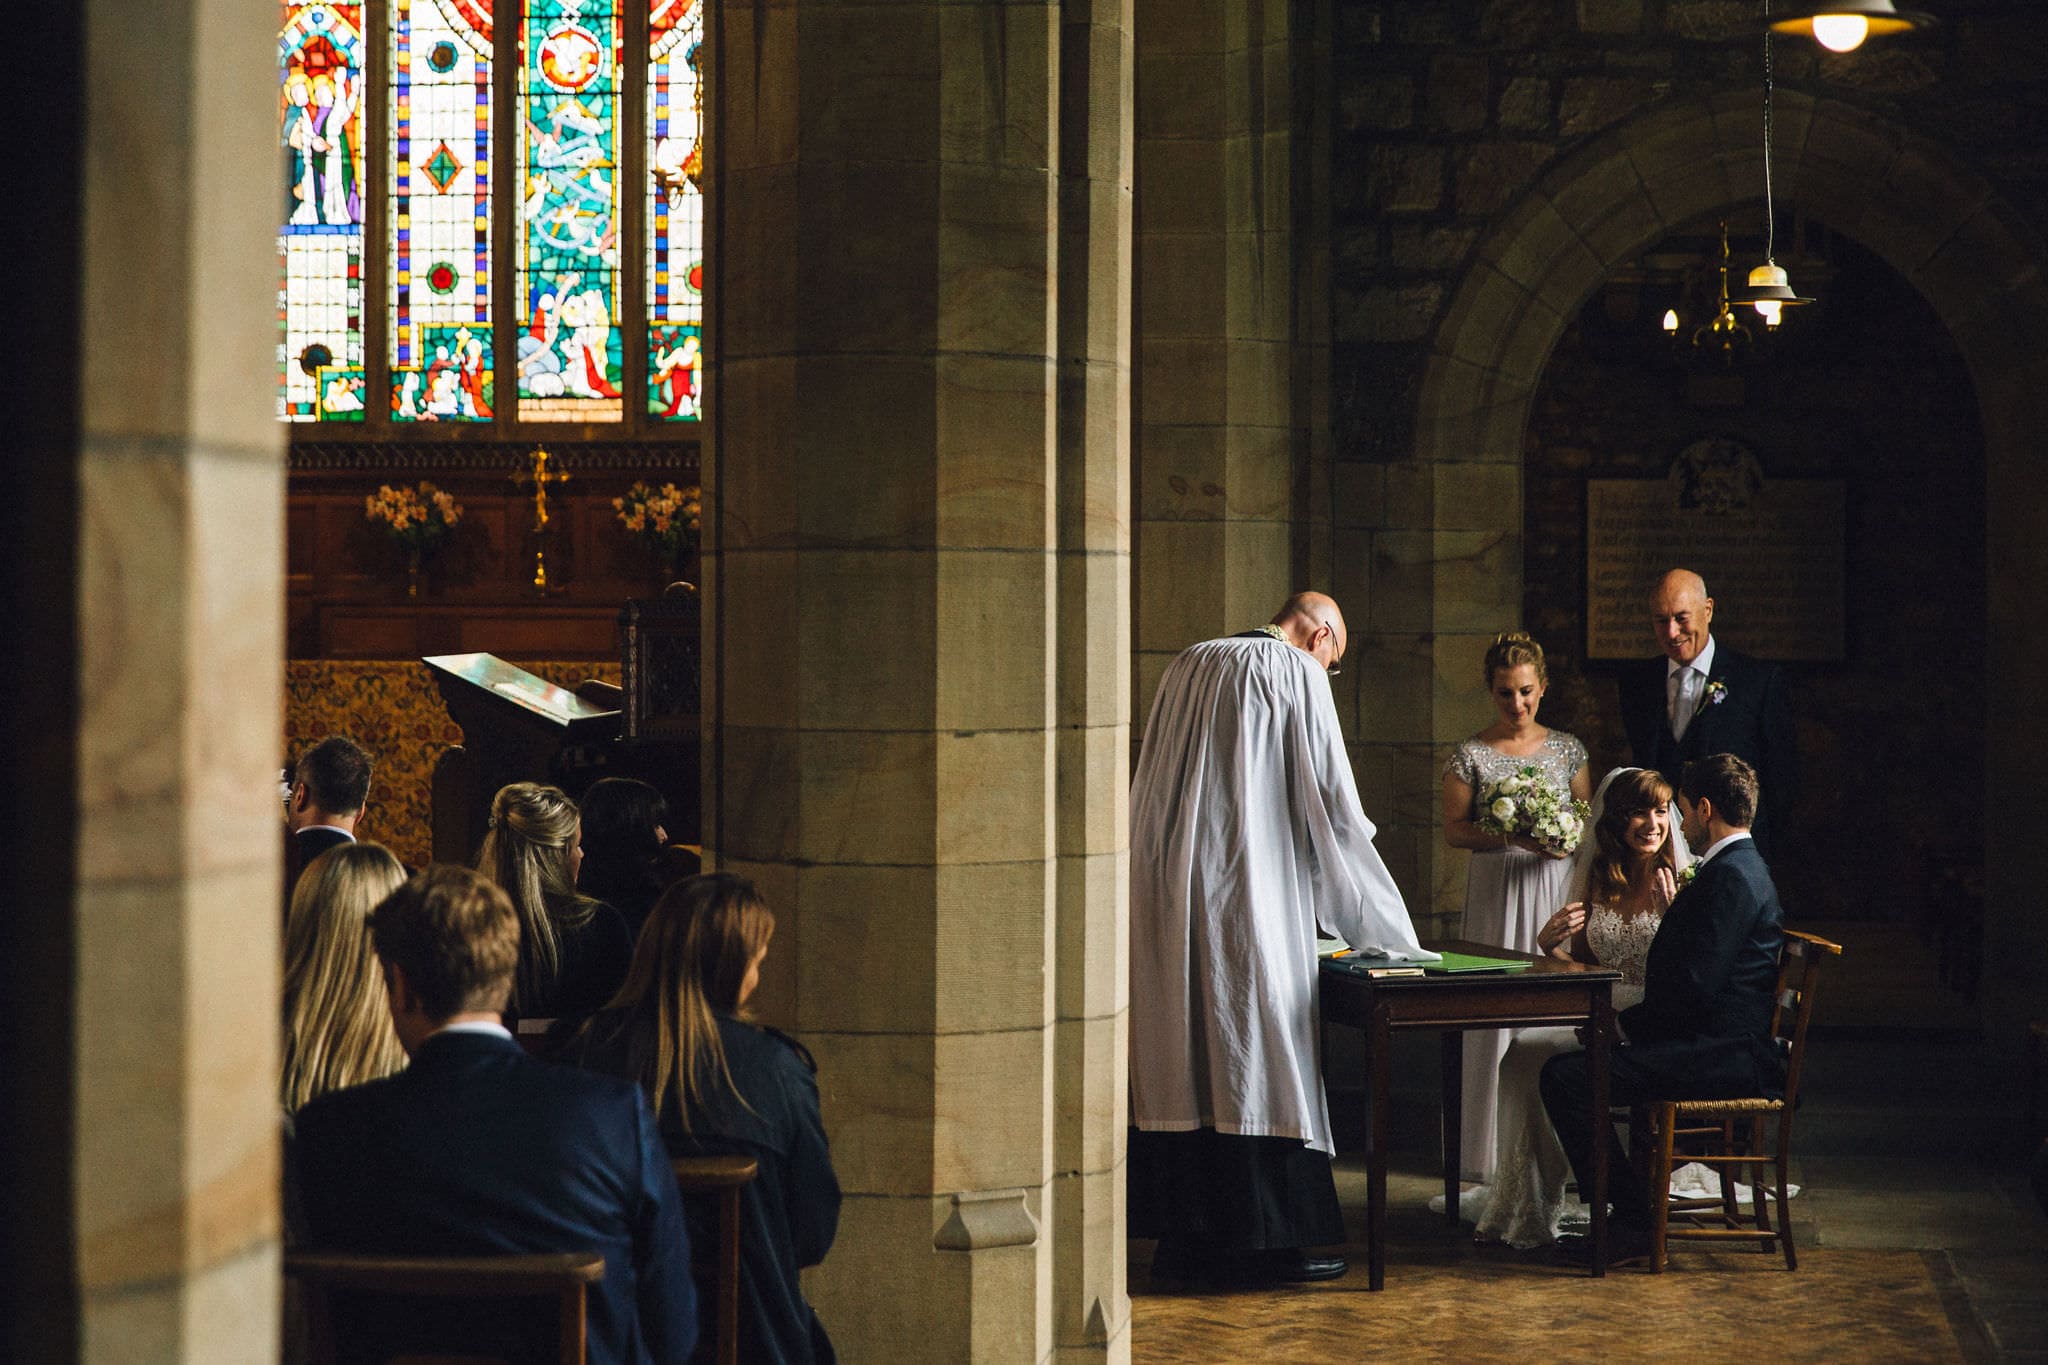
{"type": "Point", "coordinates": [628, 885]}
{"type": "Point", "coordinates": [302, 846]}
{"type": "Point", "coordinates": [790, 1212]}
{"type": "Point", "coordinates": [476, 1149]}
{"type": "Point", "coordinates": [1711, 981]}
{"type": "Point", "coordinates": [592, 967]}
{"type": "Point", "coordinates": [1752, 720]}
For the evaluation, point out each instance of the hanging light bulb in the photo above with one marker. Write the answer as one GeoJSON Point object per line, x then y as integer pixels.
{"type": "Point", "coordinates": [1841, 26]}
{"type": "Point", "coordinates": [1769, 288]}
{"type": "Point", "coordinates": [1671, 322]}
{"type": "Point", "coordinates": [1840, 32]}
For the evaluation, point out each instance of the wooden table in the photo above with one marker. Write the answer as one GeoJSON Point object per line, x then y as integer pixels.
{"type": "Point", "coordinates": [1547, 992]}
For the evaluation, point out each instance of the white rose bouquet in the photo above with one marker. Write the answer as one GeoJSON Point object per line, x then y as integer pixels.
{"type": "Point", "coordinates": [1528, 803]}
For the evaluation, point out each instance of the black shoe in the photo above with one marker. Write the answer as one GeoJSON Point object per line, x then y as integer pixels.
{"type": "Point", "coordinates": [1625, 1242]}
{"type": "Point", "coordinates": [1293, 1266]}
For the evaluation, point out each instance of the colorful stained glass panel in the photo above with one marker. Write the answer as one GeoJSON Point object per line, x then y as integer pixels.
{"type": "Point", "coordinates": [570, 354]}
{"type": "Point", "coordinates": [320, 245]}
{"type": "Point", "coordinates": [440, 247]}
{"type": "Point", "coordinates": [675, 209]}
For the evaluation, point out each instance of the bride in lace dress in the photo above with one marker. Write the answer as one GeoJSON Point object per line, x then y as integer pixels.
{"type": "Point", "coordinates": [1623, 875]}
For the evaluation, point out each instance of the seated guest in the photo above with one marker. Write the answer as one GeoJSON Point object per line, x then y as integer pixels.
{"type": "Point", "coordinates": [330, 784]}
{"type": "Point", "coordinates": [476, 1149]}
{"type": "Point", "coordinates": [1703, 1027]}
{"type": "Point", "coordinates": [337, 1032]}
{"type": "Point", "coordinates": [623, 835]}
{"type": "Point", "coordinates": [573, 950]}
{"type": "Point", "coordinates": [722, 1086]}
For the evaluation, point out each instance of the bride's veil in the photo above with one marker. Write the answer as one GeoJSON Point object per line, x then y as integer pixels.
{"type": "Point", "coordinates": [1589, 846]}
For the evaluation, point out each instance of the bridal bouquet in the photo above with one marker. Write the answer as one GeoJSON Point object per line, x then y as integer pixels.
{"type": "Point", "coordinates": [1527, 802]}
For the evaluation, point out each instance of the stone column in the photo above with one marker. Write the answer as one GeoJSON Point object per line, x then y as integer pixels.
{"type": "Point", "coordinates": [1216, 270]}
{"type": "Point", "coordinates": [141, 959]}
{"type": "Point", "coordinates": [914, 579]}
{"type": "Point", "coordinates": [1091, 1310]}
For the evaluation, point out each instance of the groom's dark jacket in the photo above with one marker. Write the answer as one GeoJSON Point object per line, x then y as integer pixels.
{"type": "Point", "coordinates": [1705, 1017]}
{"type": "Point", "coordinates": [1752, 720]}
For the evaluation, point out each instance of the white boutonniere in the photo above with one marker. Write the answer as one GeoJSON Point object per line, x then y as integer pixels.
{"type": "Point", "coordinates": [1716, 693]}
{"type": "Point", "coordinates": [1685, 875]}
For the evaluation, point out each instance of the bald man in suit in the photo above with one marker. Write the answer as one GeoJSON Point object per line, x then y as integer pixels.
{"type": "Point", "coordinates": [1702, 698]}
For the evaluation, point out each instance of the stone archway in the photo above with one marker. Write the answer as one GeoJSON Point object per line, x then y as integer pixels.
{"type": "Point", "coordinates": [1945, 229]}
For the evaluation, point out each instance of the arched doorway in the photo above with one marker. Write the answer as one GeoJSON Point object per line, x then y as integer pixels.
{"type": "Point", "coordinates": [1939, 225]}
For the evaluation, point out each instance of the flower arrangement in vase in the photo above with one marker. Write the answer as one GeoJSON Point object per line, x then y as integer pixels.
{"type": "Point", "coordinates": [419, 519]}
{"type": "Point", "coordinates": [666, 520]}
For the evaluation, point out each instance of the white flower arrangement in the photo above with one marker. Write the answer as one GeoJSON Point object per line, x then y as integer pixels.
{"type": "Point", "coordinates": [1528, 803]}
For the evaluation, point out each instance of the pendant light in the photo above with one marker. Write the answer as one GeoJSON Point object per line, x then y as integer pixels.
{"type": "Point", "coordinates": [1769, 289]}
{"type": "Point", "coordinates": [1843, 25]}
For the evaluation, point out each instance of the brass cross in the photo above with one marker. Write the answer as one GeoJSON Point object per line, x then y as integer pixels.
{"type": "Point", "coordinates": [540, 477]}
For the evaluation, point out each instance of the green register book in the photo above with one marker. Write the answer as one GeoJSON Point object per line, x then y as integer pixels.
{"type": "Point", "coordinates": [1459, 963]}
{"type": "Point", "coordinates": [1453, 964]}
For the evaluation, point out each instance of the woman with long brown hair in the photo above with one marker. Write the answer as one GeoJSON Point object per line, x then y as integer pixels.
{"type": "Point", "coordinates": [721, 1085]}
{"type": "Point", "coordinates": [573, 950]}
{"type": "Point", "coordinates": [1625, 872]}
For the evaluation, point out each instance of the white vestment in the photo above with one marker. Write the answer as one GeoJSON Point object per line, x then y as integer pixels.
{"type": "Point", "coordinates": [1245, 832]}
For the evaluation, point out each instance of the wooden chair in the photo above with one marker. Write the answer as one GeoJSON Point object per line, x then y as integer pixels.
{"type": "Point", "coordinates": [564, 1279]}
{"type": "Point", "coordinates": [1719, 1121]}
{"type": "Point", "coordinates": [721, 1177]}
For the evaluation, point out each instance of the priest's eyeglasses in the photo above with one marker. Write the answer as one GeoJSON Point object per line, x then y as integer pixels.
{"type": "Point", "coordinates": [1336, 664]}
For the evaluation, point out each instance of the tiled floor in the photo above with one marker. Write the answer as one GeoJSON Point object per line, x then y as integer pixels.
{"type": "Point", "coordinates": [1922, 1241]}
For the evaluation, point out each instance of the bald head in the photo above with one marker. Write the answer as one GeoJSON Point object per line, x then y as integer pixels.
{"type": "Point", "coordinates": [1314, 623]}
{"type": "Point", "coordinates": [1682, 614]}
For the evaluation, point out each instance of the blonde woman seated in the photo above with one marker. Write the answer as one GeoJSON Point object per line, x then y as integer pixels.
{"type": "Point", "coordinates": [720, 1086]}
{"type": "Point", "coordinates": [1625, 872]}
{"type": "Point", "coordinates": [573, 950]}
{"type": "Point", "coordinates": [337, 1028]}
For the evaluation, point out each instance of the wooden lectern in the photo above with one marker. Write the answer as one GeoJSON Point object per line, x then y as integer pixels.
{"type": "Point", "coordinates": [520, 728]}
{"type": "Point", "coordinates": [516, 727]}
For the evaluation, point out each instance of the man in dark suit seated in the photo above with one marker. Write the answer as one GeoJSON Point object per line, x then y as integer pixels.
{"type": "Point", "coordinates": [477, 1150]}
{"type": "Point", "coordinates": [1701, 698]}
{"type": "Point", "coordinates": [1703, 1029]}
{"type": "Point", "coordinates": [329, 788]}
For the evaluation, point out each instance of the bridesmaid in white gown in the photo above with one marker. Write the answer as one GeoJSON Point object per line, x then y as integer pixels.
{"type": "Point", "coordinates": [1512, 884]}
{"type": "Point", "coordinates": [1625, 873]}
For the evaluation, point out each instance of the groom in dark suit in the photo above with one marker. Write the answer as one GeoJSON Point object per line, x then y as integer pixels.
{"type": "Point", "coordinates": [476, 1149]}
{"type": "Point", "coordinates": [1703, 1029]}
{"type": "Point", "coordinates": [1704, 698]}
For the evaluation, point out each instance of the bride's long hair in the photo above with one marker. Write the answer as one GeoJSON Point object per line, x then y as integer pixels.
{"type": "Point", "coordinates": [1629, 794]}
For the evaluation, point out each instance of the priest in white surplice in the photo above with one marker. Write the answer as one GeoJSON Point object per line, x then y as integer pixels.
{"type": "Point", "coordinates": [1245, 833]}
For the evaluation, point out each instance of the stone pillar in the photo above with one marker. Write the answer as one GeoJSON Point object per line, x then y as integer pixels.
{"type": "Point", "coordinates": [1091, 1310]}
{"type": "Point", "coordinates": [1216, 257]}
{"type": "Point", "coordinates": [915, 581]}
{"type": "Point", "coordinates": [141, 957]}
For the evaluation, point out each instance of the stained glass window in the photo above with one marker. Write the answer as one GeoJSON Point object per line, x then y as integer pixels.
{"type": "Point", "coordinates": [320, 303]}
{"type": "Point", "coordinates": [493, 292]}
{"type": "Point", "coordinates": [441, 352]}
{"type": "Point", "coordinates": [570, 360]}
{"type": "Point", "coordinates": [675, 209]}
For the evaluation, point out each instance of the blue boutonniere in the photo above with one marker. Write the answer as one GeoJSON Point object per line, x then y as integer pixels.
{"type": "Point", "coordinates": [1716, 693]}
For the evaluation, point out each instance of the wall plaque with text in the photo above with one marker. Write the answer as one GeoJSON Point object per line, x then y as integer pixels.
{"type": "Point", "coordinates": [1772, 553]}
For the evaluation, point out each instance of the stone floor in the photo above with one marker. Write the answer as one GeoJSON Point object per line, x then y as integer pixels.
{"type": "Point", "coordinates": [1920, 1240]}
